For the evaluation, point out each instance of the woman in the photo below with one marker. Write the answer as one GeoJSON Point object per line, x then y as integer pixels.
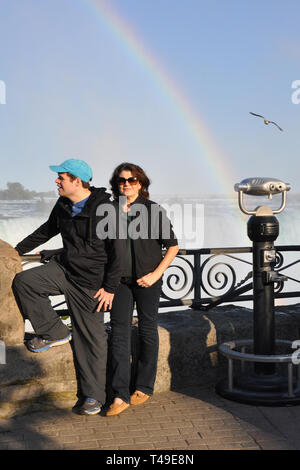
{"type": "Point", "coordinates": [148, 229]}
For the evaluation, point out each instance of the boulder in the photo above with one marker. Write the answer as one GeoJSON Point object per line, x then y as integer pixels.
{"type": "Point", "coordinates": [11, 321]}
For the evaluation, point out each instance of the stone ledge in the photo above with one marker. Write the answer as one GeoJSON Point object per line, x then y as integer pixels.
{"type": "Point", "coordinates": [189, 342]}
{"type": "Point", "coordinates": [188, 356]}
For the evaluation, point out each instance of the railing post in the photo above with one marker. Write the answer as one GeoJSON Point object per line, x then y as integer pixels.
{"type": "Point", "coordinates": [197, 277]}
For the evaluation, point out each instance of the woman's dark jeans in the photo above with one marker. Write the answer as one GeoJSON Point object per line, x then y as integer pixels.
{"type": "Point", "coordinates": [147, 302]}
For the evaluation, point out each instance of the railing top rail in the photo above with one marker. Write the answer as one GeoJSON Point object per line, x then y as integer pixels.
{"type": "Point", "coordinates": [211, 251]}
{"type": "Point", "coordinates": [201, 251]}
{"type": "Point", "coordinates": [30, 257]}
{"type": "Point", "coordinates": [232, 249]}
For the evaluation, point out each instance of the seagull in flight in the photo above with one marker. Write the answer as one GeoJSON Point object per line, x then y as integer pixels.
{"type": "Point", "coordinates": [266, 121]}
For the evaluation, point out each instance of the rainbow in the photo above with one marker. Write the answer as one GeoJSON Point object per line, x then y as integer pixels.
{"type": "Point", "coordinates": [217, 163]}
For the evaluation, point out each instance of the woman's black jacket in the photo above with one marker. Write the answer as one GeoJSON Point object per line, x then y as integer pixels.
{"type": "Point", "coordinates": [150, 231]}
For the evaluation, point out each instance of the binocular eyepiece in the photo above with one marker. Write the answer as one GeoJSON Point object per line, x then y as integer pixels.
{"type": "Point", "coordinates": [261, 187]}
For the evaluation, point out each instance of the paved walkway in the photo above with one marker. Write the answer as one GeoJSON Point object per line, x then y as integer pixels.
{"type": "Point", "coordinates": [194, 419]}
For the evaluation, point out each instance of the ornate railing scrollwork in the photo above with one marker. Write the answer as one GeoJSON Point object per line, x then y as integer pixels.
{"type": "Point", "coordinates": [218, 277]}
{"type": "Point", "coordinates": [222, 276]}
{"type": "Point", "coordinates": [279, 260]}
{"type": "Point", "coordinates": [178, 279]}
{"type": "Point", "coordinates": [203, 278]}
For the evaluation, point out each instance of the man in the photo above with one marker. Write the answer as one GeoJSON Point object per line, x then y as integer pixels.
{"type": "Point", "coordinates": [87, 271]}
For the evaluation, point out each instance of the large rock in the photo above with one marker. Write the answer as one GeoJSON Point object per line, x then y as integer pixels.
{"type": "Point", "coordinates": [11, 321]}
{"type": "Point", "coordinates": [189, 342]}
{"type": "Point", "coordinates": [31, 381]}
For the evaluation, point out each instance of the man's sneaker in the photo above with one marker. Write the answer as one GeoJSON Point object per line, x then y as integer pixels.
{"type": "Point", "coordinates": [90, 407]}
{"type": "Point", "coordinates": [39, 344]}
{"type": "Point", "coordinates": [76, 408]}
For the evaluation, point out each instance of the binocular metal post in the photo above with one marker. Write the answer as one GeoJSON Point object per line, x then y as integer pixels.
{"type": "Point", "coordinates": [263, 384]}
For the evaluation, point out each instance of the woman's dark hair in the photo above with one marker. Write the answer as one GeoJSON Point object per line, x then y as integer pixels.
{"type": "Point", "coordinates": [136, 171]}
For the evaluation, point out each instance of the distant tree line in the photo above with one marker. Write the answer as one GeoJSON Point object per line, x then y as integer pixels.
{"type": "Point", "coordinates": [16, 191]}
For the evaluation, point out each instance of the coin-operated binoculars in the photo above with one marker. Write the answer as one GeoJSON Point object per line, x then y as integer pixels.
{"type": "Point", "coordinates": [264, 384]}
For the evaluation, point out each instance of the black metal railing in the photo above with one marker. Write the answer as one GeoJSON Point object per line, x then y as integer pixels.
{"type": "Point", "coordinates": [222, 275]}
{"type": "Point", "coordinates": [207, 277]}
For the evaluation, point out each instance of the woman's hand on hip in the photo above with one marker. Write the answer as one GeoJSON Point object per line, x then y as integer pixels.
{"type": "Point", "coordinates": [147, 280]}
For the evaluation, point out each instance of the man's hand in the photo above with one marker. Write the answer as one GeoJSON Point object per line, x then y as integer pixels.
{"type": "Point", "coordinates": [105, 299]}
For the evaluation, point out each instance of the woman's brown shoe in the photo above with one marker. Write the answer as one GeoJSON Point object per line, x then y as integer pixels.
{"type": "Point", "coordinates": [138, 398]}
{"type": "Point", "coordinates": [117, 408]}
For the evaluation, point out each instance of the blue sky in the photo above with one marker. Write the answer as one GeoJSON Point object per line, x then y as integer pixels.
{"type": "Point", "coordinates": [75, 90]}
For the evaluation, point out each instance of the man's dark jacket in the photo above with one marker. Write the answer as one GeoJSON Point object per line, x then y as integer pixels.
{"type": "Point", "coordinates": [89, 261]}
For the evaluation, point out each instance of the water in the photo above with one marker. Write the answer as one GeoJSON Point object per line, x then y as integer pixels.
{"type": "Point", "coordinates": [20, 218]}
{"type": "Point", "coordinates": [199, 222]}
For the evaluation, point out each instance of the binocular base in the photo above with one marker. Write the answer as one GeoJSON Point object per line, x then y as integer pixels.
{"type": "Point", "coordinates": [261, 390]}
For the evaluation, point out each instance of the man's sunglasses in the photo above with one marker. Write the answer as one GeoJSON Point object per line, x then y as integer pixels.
{"type": "Point", "coordinates": [132, 181]}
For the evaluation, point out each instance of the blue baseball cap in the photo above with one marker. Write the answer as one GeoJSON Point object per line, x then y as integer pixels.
{"type": "Point", "coordinates": [76, 167]}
